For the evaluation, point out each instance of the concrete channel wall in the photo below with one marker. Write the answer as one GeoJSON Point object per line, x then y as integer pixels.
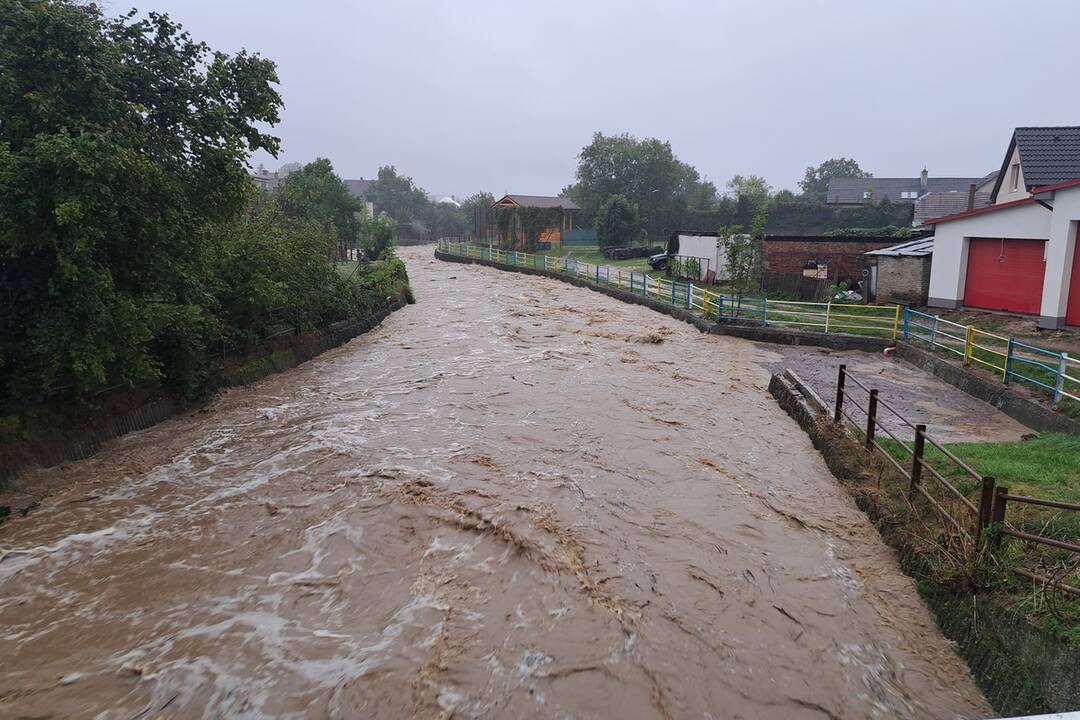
{"type": "Point", "coordinates": [1033, 414]}
{"type": "Point", "coordinates": [1021, 668]}
{"type": "Point", "coordinates": [87, 442]}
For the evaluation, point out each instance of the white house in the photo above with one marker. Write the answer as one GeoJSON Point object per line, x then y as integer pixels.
{"type": "Point", "coordinates": [707, 247]}
{"type": "Point", "coordinates": [1019, 254]}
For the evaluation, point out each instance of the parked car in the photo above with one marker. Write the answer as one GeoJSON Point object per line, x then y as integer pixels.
{"type": "Point", "coordinates": [658, 261]}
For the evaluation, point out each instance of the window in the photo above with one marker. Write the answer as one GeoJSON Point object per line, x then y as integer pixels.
{"type": "Point", "coordinates": [1014, 182]}
{"type": "Point", "coordinates": [909, 195]}
{"type": "Point", "coordinates": [867, 194]}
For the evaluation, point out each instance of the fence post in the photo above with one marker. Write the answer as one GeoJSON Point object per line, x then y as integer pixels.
{"type": "Point", "coordinates": [689, 294]}
{"type": "Point", "coordinates": [997, 514]}
{"type": "Point", "coordinates": [896, 323]}
{"type": "Point", "coordinates": [719, 306]}
{"type": "Point", "coordinates": [672, 292]}
{"type": "Point", "coordinates": [764, 311]}
{"type": "Point", "coordinates": [986, 507]}
{"type": "Point", "coordinates": [871, 420]}
{"type": "Point", "coordinates": [828, 313]}
{"type": "Point", "coordinates": [1059, 384]}
{"type": "Point", "coordinates": [1008, 362]}
{"type": "Point", "coordinates": [840, 394]}
{"type": "Point", "coordinates": [917, 459]}
{"type": "Point", "coordinates": [933, 332]}
{"type": "Point", "coordinates": [645, 284]}
{"type": "Point", "coordinates": [907, 322]}
{"type": "Point", "coordinates": [969, 344]}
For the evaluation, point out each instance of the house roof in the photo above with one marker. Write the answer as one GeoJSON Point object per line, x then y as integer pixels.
{"type": "Point", "coordinates": [939, 204]}
{"type": "Point", "coordinates": [358, 188]}
{"type": "Point", "coordinates": [540, 201]}
{"type": "Point", "coordinates": [849, 191]}
{"type": "Point", "coordinates": [920, 247]}
{"type": "Point", "coordinates": [981, 211]}
{"type": "Point", "coordinates": [1048, 155]}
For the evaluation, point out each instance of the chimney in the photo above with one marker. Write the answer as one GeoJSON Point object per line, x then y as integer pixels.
{"type": "Point", "coordinates": [924, 178]}
{"type": "Point", "coordinates": [971, 196]}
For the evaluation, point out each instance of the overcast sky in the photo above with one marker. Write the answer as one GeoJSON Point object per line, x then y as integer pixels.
{"type": "Point", "coordinates": [501, 96]}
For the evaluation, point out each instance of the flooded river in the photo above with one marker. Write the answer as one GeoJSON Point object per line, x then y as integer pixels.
{"type": "Point", "coordinates": [515, 498]}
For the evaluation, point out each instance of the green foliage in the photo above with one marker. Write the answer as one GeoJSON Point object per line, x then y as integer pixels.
{"type": "Point", "coordinates": [751, 188]}
{"type": "Point", "coordinates": [115, 152]}
{"type": "Point", "coordinates": [377, 235]}
{"type": "Point", "coordinates": [815, 182]}
{"type": "Point", "coordinates": [132, 253]}
{"type": "Point", "coordinates": [683, 267]}
{"type": "Point", "coordinates": [617, 222]}
{"type": "Point", "coordinates": [397, 196]}
{"type": "Point", "coordinates": [313, 193]}
{"type": "Point", "coordinates": [743, 254]}
{"type": "Point", "coordinates": [645, 172]}
{"type": "Point", "coordinates": [520, 227]}
{"type": "Point", "coordinates": [407, 203]}
{"type": "Point", "coordinates": [884, 231]}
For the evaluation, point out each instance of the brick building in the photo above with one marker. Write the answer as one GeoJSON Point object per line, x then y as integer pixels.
{"type": "Point", "coordinates": [832, 258]}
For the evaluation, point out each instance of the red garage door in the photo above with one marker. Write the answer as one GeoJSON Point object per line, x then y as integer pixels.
{"type": "Point", "coordinates": [1005, 274]}
{"type": "Point", "coordinates": [1072, 315]}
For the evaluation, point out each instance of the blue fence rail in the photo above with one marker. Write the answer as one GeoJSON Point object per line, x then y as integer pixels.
{"type": "Point", "coordinates": [1055, 372]}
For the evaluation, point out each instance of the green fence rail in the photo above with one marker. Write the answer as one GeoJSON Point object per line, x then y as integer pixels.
{"type": "Point", "coordinates": [1054, 372]}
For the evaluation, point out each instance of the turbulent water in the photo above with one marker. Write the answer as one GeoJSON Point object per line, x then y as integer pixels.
{"type": "Point", "coordinates": [515, 498]}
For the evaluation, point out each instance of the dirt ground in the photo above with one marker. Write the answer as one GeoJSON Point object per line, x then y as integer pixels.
{"type": "Point", "coordinates": [516, 498]}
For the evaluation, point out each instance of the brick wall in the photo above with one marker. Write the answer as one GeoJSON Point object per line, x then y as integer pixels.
{"type": "Point", "coordinates": [903, 280]}
{"type": "Point", "coordinates": [789, 254]}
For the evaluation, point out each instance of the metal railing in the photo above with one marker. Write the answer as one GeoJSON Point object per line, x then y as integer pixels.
{"type": "Point", "coordinates": [1057, 373]}
{"type": "Point", "coordinates": [877, 320]}
{"type": "Point", "coordinates": [990, 511]}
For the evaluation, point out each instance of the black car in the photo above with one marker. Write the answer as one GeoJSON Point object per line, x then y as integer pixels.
{"type": "Point", "coordinates": [658, 262]}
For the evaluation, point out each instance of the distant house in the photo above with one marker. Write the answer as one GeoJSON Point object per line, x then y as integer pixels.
{"type": "Point", "coordinates": [359, 190]}
{"type": "Point", "coordinates": [554, 234]}
{"type": "Point", "coordinates": [901, 273]}
{"type": "Point", "coordinates": [1020, 253]}
{"type": "Point", "coordinates": [1037, 156]}
{"type": "Point", "coordinates": [853, 192]}
{"type": "Point", "coordinates": [266, 180]}
{"type": "Point", "coordinates": [936, 204]}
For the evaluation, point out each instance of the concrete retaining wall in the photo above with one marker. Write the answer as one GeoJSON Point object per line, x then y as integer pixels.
{"type": "Point", "coordinates": [1020, 668]}
{"type": "Point", "coordinates": [87, 442]}
{"type": "Point", "coordinates": [1027, 412]}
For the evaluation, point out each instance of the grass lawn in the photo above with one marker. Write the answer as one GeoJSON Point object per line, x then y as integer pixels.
{"type": "Point", "coordinates": [1046, 467]}
{"type": "Point", "coordinates": [345, 269]}
{"type": "Point", "coordinates": [592, 254]}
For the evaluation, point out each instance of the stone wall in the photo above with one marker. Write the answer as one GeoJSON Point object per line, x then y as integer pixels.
{"type": "Point", "coordinates": [903, 280]}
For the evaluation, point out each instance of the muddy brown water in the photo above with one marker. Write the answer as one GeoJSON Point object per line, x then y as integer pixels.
{"type": "Point", "coordinates": [515, 498]}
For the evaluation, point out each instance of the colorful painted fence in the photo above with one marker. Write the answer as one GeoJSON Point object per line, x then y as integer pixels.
{"type": "Point", "coordinates": [1057, 373]}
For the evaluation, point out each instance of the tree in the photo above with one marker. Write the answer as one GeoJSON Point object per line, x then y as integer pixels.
{"type": "Point", "coordinates": [753, 188]}
{"type": "Point", "coordinates": [119, 141]}
{"type": "Point", "coordinates": [377, 235]}
{"type": "Point", "coordinates": [816, 180]}
{"type": "Point", "coordinates": [645, 172]}
{"type": "Point", "coordinates": [398, 196]}
{"type": "Point", "coordinates": [314, 193]}
{"type": "Point", "coordinates": [743, 254]}
{"type": "Point", "coordinates": [617, 222]}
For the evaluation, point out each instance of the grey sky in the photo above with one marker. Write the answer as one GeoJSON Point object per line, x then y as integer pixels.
{"type": "Point", "coordinates": [501, 96]}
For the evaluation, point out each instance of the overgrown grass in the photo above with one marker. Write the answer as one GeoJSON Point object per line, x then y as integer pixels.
{"type": "Point", "coordinates": [1046, 467]}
